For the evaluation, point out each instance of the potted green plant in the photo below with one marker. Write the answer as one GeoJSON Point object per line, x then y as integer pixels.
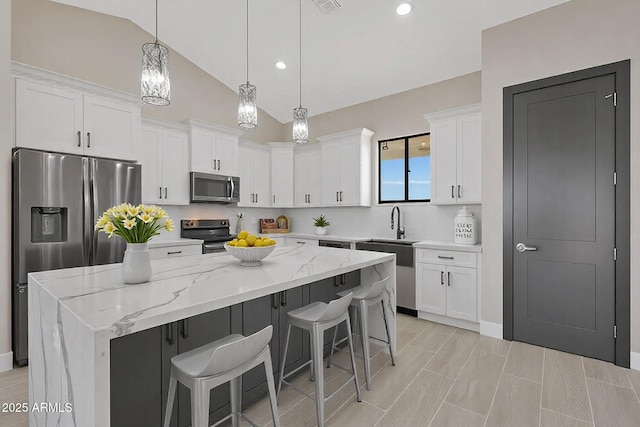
{"type": "Point", "coordinates": [321, 225]}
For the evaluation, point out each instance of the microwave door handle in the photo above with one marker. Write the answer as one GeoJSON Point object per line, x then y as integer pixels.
{"type": "Point", "coordinates": [233, 188]}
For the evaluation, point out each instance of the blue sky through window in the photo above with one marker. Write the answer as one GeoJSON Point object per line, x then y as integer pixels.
{"type": "Point", "coordinates": [392, 179]}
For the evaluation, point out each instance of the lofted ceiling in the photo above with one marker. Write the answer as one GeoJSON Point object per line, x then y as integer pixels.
{"type": "Point", "coordinates": [359, 52]}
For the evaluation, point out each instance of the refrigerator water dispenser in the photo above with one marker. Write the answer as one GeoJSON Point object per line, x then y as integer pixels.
{"type": "Point", "coordinates": [48, 224]}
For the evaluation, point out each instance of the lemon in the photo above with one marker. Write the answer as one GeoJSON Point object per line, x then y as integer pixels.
{"type": "Point", "coordinates": [258, 244]}
{"type": "Point", "coordinates": [242, 243]}
{"type": "Point", "coordinates": [232, 243]}
{"type": "Point", "coordinates": [251, 239]}
{"type": "Point", "coordinates": [243, 234]}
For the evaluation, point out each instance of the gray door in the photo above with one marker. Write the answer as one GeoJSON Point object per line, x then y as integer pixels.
{"type": "Point", "coordinates": [564, 207]}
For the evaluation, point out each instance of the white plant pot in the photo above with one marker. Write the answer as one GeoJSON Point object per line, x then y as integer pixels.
{"type": "Point", "coordinates": [321, 231]}
{"type": "Point", "coordinates": [136, 266]}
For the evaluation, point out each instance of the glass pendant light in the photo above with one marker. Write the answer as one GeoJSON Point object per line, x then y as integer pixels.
{"type": "Point", "coordinates": [300, 125]}
{"type": "Point", "coordinates": [247, 108]}
{"type": "Point", "coordinates": [155, 87]}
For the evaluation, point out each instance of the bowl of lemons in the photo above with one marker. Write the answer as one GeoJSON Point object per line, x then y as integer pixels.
{"type": "Point", "coordinates": [250, 249]}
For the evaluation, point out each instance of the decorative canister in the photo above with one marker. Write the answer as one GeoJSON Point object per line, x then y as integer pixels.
{"type": "Point", "coordinates": [465, 227]}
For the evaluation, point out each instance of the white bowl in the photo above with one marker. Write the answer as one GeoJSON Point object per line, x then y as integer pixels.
{"type": "Point", "coordinates": [250, 257]}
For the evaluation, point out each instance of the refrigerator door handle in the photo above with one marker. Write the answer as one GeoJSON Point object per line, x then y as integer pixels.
{"type": "Point", "coordinates": [87, 213]}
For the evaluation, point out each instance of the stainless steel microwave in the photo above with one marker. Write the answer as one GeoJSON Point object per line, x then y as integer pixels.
{"type": "Point", "coordinates": [209, 188]}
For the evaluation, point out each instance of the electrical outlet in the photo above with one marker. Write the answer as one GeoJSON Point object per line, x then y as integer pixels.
{"type": "Point", "coordinates": [254, 220]}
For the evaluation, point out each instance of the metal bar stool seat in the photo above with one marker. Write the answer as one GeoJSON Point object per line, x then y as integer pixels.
{"type": "Point", "coordinates": [365, 296]}
{"type": "Point", "coordinates": [316, 318]}
{"type": "Point", "coordinates": [213, 364]}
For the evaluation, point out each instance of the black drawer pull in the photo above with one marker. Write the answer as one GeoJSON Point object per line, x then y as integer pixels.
{"type": "Point", "coordinates": [169, 334]}
{"type": "Point", "coordinates": [444, 257]}
{"type": "Point", "coordinates": [174, 253]}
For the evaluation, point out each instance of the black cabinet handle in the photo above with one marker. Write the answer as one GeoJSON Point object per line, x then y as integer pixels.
{"type": "Point", "coordinates": [169, 333]}
{"type": "Point", "coordinates": [343, 279]}
{"type": "Point", "coordinates": [442, 277]}
{"type": "Point", "coordinates": [88, 139]}
{"type": "Point", "coordinates": [448, 278]}
{"type": "Point", "coordinates": [79, 139]}
{"type": "Point", "coordinates": [160, 193]}
{"type": "Point", "coordinates": [218, 164]}
{"type": "Point", "coordinates": [174, 253]}
{"type": "Point", "coordinates": [185, 328]}
{"type": "Point", "coordinates": [274, 303]}
{"type": "Point", "coordinates": [165, 192]}
{"type": "Point", "coordinates": [459, 195]}
{"type": "Point", "coordinates": [452, 195]}
{"type": "Point", "coordinates": [284, 299]}
{"type": "Point", "coordinates": [444, 257]}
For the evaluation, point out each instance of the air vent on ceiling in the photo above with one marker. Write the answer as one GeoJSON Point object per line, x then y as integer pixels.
{"type": "Point", "coordinates": [327, 6]}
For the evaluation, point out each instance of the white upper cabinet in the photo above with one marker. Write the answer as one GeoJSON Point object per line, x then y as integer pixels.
{"type": "Point", "coordinates": [54, 117]}
{"type": "Point", "coordinates": [282, 175]}
{"type": "Point", "coordinates": [456, 155]}
{"type": "Point", "coordinates": [307, 188]}
{"type": "Point", "coordinates": [214, 149]}
{"type": "Point", "coordinates": [255, 190]}
{"type": "Point", "coordinates": [164, 155]}
{"type": "Point", "coordinates": [346, 168]}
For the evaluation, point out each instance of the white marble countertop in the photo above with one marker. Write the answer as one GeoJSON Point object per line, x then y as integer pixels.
{"type": "Point", "coordinates": [333, 237]}
{"type": "Point", "coordinates": [167, 243]}
{"type": "Point", "coordinates": [434, 244]}
{"type": "Point", "coordinates": [182, 287]}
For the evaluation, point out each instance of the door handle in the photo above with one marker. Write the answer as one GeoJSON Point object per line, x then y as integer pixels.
{"type": "Point", "coordinates": [214, 164]}
{"type": "Point", "coordinates": [444, 257]}
{"type": "Point", "coordinates": [452, 195]}
{"type": "Point", "coordinates": [459, 193]}
{"type": "Point", "coordinates": [448, 278]}
{"type": "Point", "coordinates": [160, 193]}
{"type": "Point", "coordinates": [283, 300]}
{"type": "Point", "coordinates": [185, 328]}
{"type": "Point", "coordinates": [165, 192]}
{"type": "Point", "coordinates": [79, 139]}
{"type": "Point", "coordinates": [88, 139]}
{"type": "Point", "coordinates": [337, 197]}
{"type": "Point", "coordinates": [442, 277]}
{"type": "Point", "coordinates": [521, 247]}
{"type": "Point", "coordinates": [274, 303]}
{"type": "Point", "coordinates": [309, 197]}
{"type": "Point", "coordinates": [169, 333]}
{"type": "Point", "coordinates": [218, 164]}
{"type": "Point", "coordinates": [336, 281]}
{"type": "Point", "coordinates": [174, 253]}
{"type": "Point", "coordinates": [274, 199]}
{"type": "Point", "coordinates": [341, 196]}
{"type": "Point", "coordinates": [256, 197]}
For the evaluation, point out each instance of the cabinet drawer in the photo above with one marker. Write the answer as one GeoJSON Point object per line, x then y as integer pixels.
{"type": "Point", "coordinates": [438, 256]}
{"type": "Point", "coordinates": [173, 251]}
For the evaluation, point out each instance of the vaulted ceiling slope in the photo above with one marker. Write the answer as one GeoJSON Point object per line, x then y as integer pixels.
{"type": "Point", "coordinates": [359, 52]}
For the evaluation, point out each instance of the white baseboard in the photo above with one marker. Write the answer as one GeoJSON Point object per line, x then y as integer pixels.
{"type": "Point", "coordinates": [635, 361]}
{"type": "Point", "coordinates": [493, 330]}
{"type": "Point", "coordinates": [451, 321]}
{"type": "Point", "coordinates": [6, 361]}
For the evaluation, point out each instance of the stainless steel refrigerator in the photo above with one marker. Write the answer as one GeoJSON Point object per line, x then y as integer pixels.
{"type": "Point", "coordinates": [57, 199]}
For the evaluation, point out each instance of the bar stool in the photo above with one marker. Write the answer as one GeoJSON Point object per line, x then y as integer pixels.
{"type": "Point", "coordinates": [365, 296]}
{"type": "Point", "coordinates": [214, 364]}
{"type": "Point", "coordinates": [316, 318]}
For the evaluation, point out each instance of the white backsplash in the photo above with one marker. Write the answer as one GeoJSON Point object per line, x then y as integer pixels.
{"type": "Point", "coordinates": [421, 222]}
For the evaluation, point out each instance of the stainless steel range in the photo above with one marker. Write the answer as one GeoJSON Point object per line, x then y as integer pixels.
{"type": "Point", "coordinates": [214, 232]}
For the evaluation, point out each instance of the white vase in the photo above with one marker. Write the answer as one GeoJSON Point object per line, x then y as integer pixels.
{"type": "Point", "coordinates": [321, 231]}
{"type": "Point", "coordinates": [239, 225]}
{"type": "Point", "coordinates": [136, 266]}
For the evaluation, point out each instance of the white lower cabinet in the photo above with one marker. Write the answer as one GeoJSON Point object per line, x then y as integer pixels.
{"type": "Point", "coordinates": [292, 241]}
{"type": "Point", "coordinates": [174, 251]}
{"type": "Point", "coordinates": [448, 287]}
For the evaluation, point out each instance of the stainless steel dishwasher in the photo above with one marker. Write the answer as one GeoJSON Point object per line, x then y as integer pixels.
{"type": "Point", "coordinates": [405, 270]}
{"type": "Point", "coordinates": [335, 244]}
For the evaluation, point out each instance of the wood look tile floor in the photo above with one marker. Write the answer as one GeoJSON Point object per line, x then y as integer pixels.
{"type": "Point", "coordinates": [447, 377]}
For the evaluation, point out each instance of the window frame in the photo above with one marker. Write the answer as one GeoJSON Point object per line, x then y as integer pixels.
{"type": "Point", "coordinates": [406, 169]}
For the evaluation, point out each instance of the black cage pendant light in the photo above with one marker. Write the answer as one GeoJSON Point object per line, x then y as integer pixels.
{"type": "Point", "coordinates": [155, 87]}
{"type": "Point", "coordinates": [300, 125]}
{"type": "Point", "coordinates": [247, 105]}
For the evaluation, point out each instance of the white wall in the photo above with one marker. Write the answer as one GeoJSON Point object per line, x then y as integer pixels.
{"type": "Point", "coordinates": [6, 359]}
{"type": "Point", "coordinates": [572, 36]}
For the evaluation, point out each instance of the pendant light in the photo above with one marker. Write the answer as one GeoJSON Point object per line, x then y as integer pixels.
{"type": "Point", "coordinates": [300, 125]}
{"type": "Point", "coordinates": [247, 108]}
{"type": "Point", "coordinates": [155, 87]}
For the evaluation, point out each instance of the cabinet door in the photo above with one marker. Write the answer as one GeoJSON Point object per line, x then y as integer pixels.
{"type": "Point", "coordinates": [431, 288]}
{"type": "Point", "coordinates": [282, 177]}
{"type": "Point", "coordinates": [325, 291]}
{"type": "Point", "coordinates": [175, 167]}
{"type": "Point", "coordinates": [314, 180]}
{"type": "Point", "coordinates": [260, 177]}
{"type": "Point", "coordinates": [201, 150]}
{"type": "Point", "coordinates": [150, 157]}
{"type": "Point", "coordinates": [443, 161]}
{"type": "Point", "coordinates": [197, 331]}
{"type": "Point", "coordinates": [226, 154]}
{"type": "Point", "coordinates": [136, 380]}
{"type": "Point", "coordinates": [330, 174]}
{"type": "Point", "coordinates": [111, 129]}
{"type": "Point", "coordinates": [298, 352]}
{"type": "Point", "coordinates": [350, 176]}
{"type": "Point", "coordinates": [257, 314]}
{"type": "Point", "coordinates": [469, 171]}
{"type": "Point", "coordinates": [462, 293]}
{"type": "Point", "coordinates": [246, 177]}
{"type": "Point", "coordinates": [48, 118]}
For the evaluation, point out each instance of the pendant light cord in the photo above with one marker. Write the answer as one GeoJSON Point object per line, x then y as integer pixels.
{"type": "Point", "coordinates": [247, 41]}
{"type": "Point", "coordinates": [156, 21]}
{"type": "Point", "coordinates": [300, 47]}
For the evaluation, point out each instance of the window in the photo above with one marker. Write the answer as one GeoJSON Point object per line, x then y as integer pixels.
{"type": "Point", "coordinates": [404, 169]}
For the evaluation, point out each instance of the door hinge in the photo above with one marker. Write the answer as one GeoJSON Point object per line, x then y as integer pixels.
{"type": "Point", "coordinates": [615, 178]}
{"type": "Point", "coordinates": [615, 98]}
{"type": "Point", "coordinates": [615, 331]}
{"type": "Point", "coordinates": [615, 254]}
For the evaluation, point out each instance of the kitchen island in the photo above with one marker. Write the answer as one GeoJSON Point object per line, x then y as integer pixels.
{"type": "Point", "coordinates": [74, 314]}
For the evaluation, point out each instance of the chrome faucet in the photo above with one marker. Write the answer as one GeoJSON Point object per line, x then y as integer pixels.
{"type": "Point", "coordinates": [400, 230]}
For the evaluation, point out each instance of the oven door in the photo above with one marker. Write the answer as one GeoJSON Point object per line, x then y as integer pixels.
{"type": "Point", "coordinates": [213, 247]}
{"type": "Point", "coordinates": [209, 188]}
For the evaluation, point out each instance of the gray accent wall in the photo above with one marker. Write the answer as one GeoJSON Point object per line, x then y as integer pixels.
{"type": "Point", "coordinates": [569, 37]}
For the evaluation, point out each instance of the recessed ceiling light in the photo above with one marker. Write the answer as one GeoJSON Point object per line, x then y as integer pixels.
{"type": "Point", "coordinates": [404, 8]}
{"type": "Point", "coordinates": [281, 65]}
